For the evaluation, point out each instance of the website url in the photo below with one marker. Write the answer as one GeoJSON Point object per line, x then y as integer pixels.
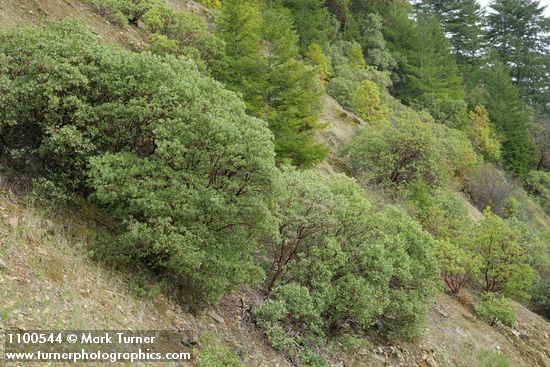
{"type": "Point", "coordinates": [97, 356]}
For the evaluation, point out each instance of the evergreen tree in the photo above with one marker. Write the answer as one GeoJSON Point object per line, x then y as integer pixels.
{"type": "Point", "coordinates": [239, 25]}
{"type": "Point", "coordinates": [318, 58]}
{"type": "Point", "coordinates": [262, 63]}
{"type": "Point", "coordinates": [512, 118]}
{"type": "Point", "coordinates": [432, 76]}
{"type": "Point", "coordinates": [291, 93]}
{"type": "Point", "coordinates": [461, 21]}
{"type": "Point", "coordinates": [518, 30]}
{"type": "Point", "coordinates": [313, 21]}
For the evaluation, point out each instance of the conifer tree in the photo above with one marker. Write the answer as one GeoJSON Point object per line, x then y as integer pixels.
{"type": "Point", "coordinates": [461, 21]}
{"type": "Point", "coordinates": [432, 79]}
{"type": "Point", "coordinates": [262, 63]}
{"type": "Point", "coordinates": [239, 25]}
{"type": "Point", "coordinates": [519, 32]}
{"type": "Point", "coordinates": [512, 118]}
{"type": "Point", "coordinates": [313, 21]}
{"type": "Point", "coordinates": [318, 58]}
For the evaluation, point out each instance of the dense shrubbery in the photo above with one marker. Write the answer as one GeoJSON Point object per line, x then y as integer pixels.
{"type": "Point", "coordinates": [167, 150]}
{"type": "Point", "coordinates": [182, 33]}
{"type": "Point", "coordinates": [408, 149]}
{"type": "Point", "coordinates": [348, 262]}
{"type": "Point", "coordinates": [191, 181]}
{"type": "Point", "coordinates": [502, 246]}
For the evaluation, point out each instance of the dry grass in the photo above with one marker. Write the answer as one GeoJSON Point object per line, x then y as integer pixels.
{"type": "Point", "coordinates": [47, 281]}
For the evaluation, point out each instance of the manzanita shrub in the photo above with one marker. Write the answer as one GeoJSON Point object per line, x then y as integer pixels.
{"type": "Point", "coordinates": [166, 149]}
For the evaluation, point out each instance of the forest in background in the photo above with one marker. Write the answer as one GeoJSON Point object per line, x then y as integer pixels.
{"type": "Point", "coordinates": [207, 189]}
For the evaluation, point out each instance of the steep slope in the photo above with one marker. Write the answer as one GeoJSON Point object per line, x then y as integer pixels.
{"type": "Point", "coordinates": [453, 335]}
{"type": "Point", "coordinates": [47, 281]}
{"type": "Point", "coordinates": [37, 12]}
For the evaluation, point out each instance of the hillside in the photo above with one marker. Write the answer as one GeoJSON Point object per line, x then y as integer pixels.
{"type": "Point", "coordinates": [48, 279]}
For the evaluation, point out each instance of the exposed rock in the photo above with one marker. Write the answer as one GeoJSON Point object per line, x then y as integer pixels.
{"type": "Point", "coordinates": [216, 317]}
{"type": "Point", "coordinates": [190, 339]}
{"type": "Point", "coordinates": [12, 222]}
{"type": "Point", "coordinates": [430, 361]}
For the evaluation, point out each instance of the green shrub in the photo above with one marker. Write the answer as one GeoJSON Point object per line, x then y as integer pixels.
{"type": "Point", "coordinates": [347, 78]}
{"type": "Point", "coordinates": [299, 304]}
{"type": "Point", "coordinates": [177, 32]}
{"type": "Point", "coordinates": [309, 358]}
{"type": "Point", "coordinates": [366, 102]}
{"type": "Point", "coordinates": [541, 298]}
{"type": "Point", "coordinates": [537, 183]}
{"type": "Point", "coordinates": [168, 151]}
{"type": "Point", "coordinates": [489, 358]}
{"type": "Point", "coordinates": [397, 153]}
{"type": "Point", "coordinates": [458, 266]}
{"type": "Point", "coordinates": [335, 244]}
{"type": "Point", "coordinates": [277, 337]}
{"type": "Point", "coordinates": [502, 248]}
{"type": "Point", "coordinates": [317, 58]}
{"type": "Point", "coordinates": [211, 354]}
{"type": "Point", "coordinates": [124, 11]}
{"type": "Point", "coordinates": [214, 4]}
{"type": "Point", "coordinates": [271, 311]}
{"type": "Point", "coordinates": [159, 44]}
{"type": "Point", "coordinates": [496, 309]}
{"type": "Point", "coordinates": [483, 135]}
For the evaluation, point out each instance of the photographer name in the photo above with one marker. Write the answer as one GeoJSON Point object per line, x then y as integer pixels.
{"type": "Point", "coordinates": [115, 338]}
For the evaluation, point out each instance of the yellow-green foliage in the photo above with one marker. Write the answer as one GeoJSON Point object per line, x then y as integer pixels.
{"type": "Point", "coordinates": [182, 33]}
{"type": "Point", "coordinates": [212, 354]}
{"type": "Point", "coordinates": [495, 309]}
{"type": "Point", "coordinates": [356, 57]}
{"type": "Point", "coordinates": [366, 100]}
{"type": "Point", "coordinates": [212, 4]}
{"type": "Point", "coordinates": [483, 135]}
{"type": "Point", "coordinates": [317, 57]}
{"type": "Point", "coordinates": [159, 44]}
